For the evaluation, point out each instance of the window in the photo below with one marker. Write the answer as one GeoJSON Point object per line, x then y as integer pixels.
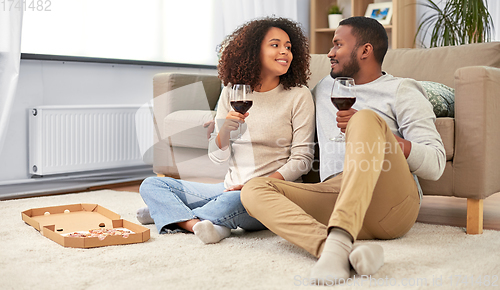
{"type": "Point", "coordinates": [153, 30]}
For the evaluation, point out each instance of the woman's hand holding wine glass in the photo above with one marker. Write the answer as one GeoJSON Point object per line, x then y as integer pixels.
{"type": "Point", "coordinates": [240, 100]}
{"type": "Point", "coordinates": [231, 123]}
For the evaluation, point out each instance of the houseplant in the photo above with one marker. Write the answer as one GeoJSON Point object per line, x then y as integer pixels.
{"type": "Point", "coordinates": [334, 16]}
{"type": "Point", "coordinates": [458, 22]}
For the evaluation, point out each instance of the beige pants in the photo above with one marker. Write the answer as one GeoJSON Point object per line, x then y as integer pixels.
{"type": "Point", "coordinates": [375, 197]}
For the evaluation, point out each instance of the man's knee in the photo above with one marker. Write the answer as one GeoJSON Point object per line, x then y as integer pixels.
{"type": "Point", "coordinates": [364, 116]}
{"type": "Point", "coordinates": [253, 190]}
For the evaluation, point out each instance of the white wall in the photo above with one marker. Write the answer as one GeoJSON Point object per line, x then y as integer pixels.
{"type": "Point", "coordinates": [71, 83]}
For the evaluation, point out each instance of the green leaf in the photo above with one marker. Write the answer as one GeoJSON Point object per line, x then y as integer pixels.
{"type": "Point", "coordinates": [458, 22]}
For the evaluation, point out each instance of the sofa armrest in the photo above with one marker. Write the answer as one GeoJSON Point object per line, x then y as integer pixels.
{"type": "Point", "coordinates": [476, 161]}
{"type": "Point", "coordinates": [174, 92]}
{"type": "Point", "coordinates": [186, 128]}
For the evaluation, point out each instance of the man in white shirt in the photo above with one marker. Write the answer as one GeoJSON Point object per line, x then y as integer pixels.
{"type": "Point", "coordinates": [369, 188]}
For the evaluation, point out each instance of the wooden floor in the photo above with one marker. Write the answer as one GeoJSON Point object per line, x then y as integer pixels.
{"type": "Point", "coordinates": [453, 211]}
{"type": "Point", "coordinates": [439, 210]}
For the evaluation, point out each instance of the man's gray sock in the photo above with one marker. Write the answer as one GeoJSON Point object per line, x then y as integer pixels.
{"type": "Point", "coordinates": [366, 259]}
{"type": "Point", "coordinates": [333, 264]}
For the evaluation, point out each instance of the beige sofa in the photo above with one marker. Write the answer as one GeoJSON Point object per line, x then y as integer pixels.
{"type": "Point", "coordinates": [471, 138]}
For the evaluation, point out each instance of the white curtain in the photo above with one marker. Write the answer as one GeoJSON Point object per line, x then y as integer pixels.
{"type": "Point", "coordinates": [494, 8]}
{"type": "Point", "coordinates": [233, 13]}
{"type": "Point", "coordinates": [10, 55]}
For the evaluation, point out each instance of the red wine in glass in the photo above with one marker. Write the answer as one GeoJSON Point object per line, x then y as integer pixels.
{"type": "Point", "coordinates": [342, 97]}
{"type": "Point", "coordinates": [241, 106]}
{"type": "Point", "coordinates": [343, 103]}
{"type": "Point", "coordinates": [241, 101]}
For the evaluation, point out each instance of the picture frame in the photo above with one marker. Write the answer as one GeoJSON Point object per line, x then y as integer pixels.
{"type": "Point", "coordinates": [381, 11]}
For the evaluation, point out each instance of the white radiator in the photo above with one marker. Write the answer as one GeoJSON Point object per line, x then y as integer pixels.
{"type": "Point", "coordinates": [66, 139]}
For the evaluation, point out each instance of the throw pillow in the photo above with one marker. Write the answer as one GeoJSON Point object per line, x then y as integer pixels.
{"type": "Point", "coordinates": [441, 97]}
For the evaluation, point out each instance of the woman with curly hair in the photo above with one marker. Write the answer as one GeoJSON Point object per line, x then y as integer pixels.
{"type": "Point", "coordinates": [272, 56]}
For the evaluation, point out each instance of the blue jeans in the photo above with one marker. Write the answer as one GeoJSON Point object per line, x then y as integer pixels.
{"type": "Point", "coordinates": [171, 201]}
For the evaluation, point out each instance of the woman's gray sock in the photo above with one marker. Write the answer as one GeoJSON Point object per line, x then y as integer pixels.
{"type": "Point", "coordinates": [144, 217]}
{"type": "Point", "coordinates": [209, 233]}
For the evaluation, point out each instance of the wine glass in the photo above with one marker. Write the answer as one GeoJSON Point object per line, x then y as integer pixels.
{"type": "Point", "coordinates": [241, 101]}
{"type": "Point", "coordinates": [343, 97]}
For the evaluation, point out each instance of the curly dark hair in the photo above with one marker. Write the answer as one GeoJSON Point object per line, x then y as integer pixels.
{"type": "Point", "coordinates": [240, 53]}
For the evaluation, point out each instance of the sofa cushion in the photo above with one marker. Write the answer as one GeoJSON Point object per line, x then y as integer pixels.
{"type": "Point", "coordinates": [441, 97]}
{"type": "Point", "coordinates": [320, 67]}
{"type": "Point", "coordinates": [185, 128]}
{"type": "Point", "coordinates": [440, 63]}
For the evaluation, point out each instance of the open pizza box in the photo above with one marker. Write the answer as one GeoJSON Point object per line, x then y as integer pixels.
{"type": "Point", "coordinates": [58, 222]}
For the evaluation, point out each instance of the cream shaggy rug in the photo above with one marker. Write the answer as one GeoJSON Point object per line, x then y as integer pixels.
{"type": "Point", "coordinates": [427, 256]}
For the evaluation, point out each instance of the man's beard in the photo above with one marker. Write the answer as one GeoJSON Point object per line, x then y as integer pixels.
{"type": "Point", "coordinates": [349, 69]}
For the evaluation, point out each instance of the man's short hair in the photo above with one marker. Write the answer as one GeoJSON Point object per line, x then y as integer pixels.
{"type": "Point", "coordinates": [368, 30]}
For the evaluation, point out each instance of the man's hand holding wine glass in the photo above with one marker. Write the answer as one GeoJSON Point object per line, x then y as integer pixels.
{"type": "Point", "coordinates": [343, 96]}
{"type": "Point", "coordinates": [343, 117]}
